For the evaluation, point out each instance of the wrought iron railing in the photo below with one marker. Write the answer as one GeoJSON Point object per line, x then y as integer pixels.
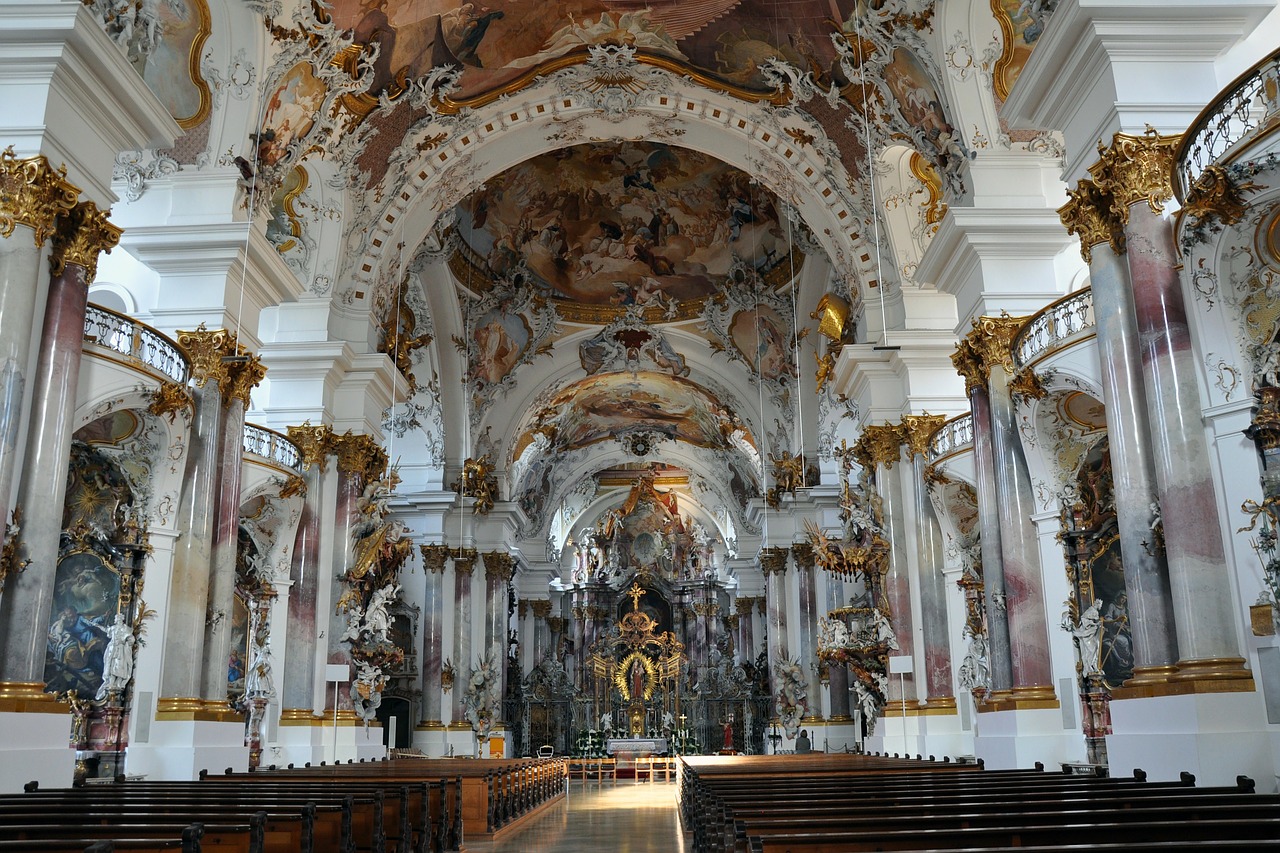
{"type": "Point", "coordinates": [1052, 325]}
{"type": "Point", "coordinates": [955, 434]}
{"type": "Point", "coordinates": [1243, 113]}
{"type": "Point", "coordinates": [270, 444]}
{"type": "Point", "coordinates": [136, 341]}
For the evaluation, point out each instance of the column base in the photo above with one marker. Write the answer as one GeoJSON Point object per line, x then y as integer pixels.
{"type": "Point", "coordinates": [34, 748]}
{"type": "Point", "coordinates": [1145, 675]}
{"type": "Point", "coordinates": [1215, 736]}
{"type": "Point", "coordinates": [179, 747]}
{"type": "Point", "coordinates": [898, 708]}
{"type": "Point", "coordinates": [1018, 737]}
{"type": "Point", "coordinates": [204, 710]}
{"type": "Point", "coordinates": [432, 738]}
{"type": "Point", "coordinates": [29, 697]}
{"type": "Point", "coordinates": [1215, 669]}
{"type": "Point", "coordinates": [300, 717]}
{"type": "Point", "coordinates": [1026, 698]}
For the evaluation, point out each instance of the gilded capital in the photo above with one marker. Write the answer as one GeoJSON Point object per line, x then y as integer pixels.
{"type": "Point", "coordinates": [802, 553]}
{"type": "Point", "coordinates": [169, 398]}
{"type": "Point", "coordinates": [1027, 384]}
{"type": "Point", "coordinates": [464, 560]}
{"type": "Point", "coordinates": [498, 565]}
{"type": "Point", "coordinates": [879, 445]}
{"type": "Point", "coordinates": [434, 557]}
{"type": "Point", "coordinates": [359, 454]}
{"type": "Point", "coordinates": [83, 232]}
{"type": "Point", "coordinates": [557, 624]}
{"type": "Point", "coordinates": [313, 442]}
{"type": "Point", "coordinates": [918, 429]}
{"type": "Point", "coordinates": [744, 604]}
{"type": "Point", "coordinates": [1089, 216]}
{"type": "Point", "coordinates": [242, 375]}
{"type": "Point", "coordinates": [1137, 168]}
{"type": "Point", "coordinates": [541, 608]}
{"type": "Point", "coordinates": [774, 560]}
{"type": "Point", "coordinates": [989, 343]}
{"type": "Point", "coordinates": [34, 194]}
{"type": "Point", "coordinates": [208, 351]}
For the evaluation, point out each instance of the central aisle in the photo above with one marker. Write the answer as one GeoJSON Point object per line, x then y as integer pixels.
{"type": "Point", "coordinates": [621, 818]}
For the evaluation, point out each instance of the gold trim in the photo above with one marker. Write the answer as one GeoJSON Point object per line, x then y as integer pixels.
{"type": "Point", "coordinates": [34, 194]}
{"type": "Point", "coordinates": [1212, 669]}
{"type": "Point", "coordinates": [431, 726]}
{"type": "Point", "coordinates": [839, 718]}
{"type": "Point", "coordinates": [193, 69]}
{"type": "Point", "coordinates": [295, 225]}
{"type": "Point", "coordinates": [1147, 675]}
{"type": "Point", "coordinates": [1007, 50]}
{"type": "Point", "coordinates": [940, 703]}
{"type": "Point", "coordinates": [196, 710]}
{"type": "Point", "coordinates": [300, 717]}
{"type": "Point", "coordinates": [460, 726]}
{"type": "Point", "coordinates": [29, 697]}
{"type": "Point", "coordinates": [934, 207]}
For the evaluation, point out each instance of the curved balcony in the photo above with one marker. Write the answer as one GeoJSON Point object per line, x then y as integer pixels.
{"type": "Point", "coordinates": [137, 342]}
{"type": "Point", "coordinates": [952, 437]}
{"type": "Point", "coordinates": [1053, 326]}
{"type": "Point", "coordinates": [271, 445]}
{"type": "Point", "coordinates": [1244, 113]}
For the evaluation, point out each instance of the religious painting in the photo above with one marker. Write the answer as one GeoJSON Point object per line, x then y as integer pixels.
{"type": "Point", "coordinates": [86, 595]}
{"type": "Point", "coordinates": [916, 94]}
{"type": "Point", "coordinates": [501, 339]}
{"type": "Point", "coordinates": [171, 68]}
{"type": "Point", "coordinates": [291, 111]}
{"type": "Point", "coordinates": [1021, 24]}
{"type": "Point", "coordinates": [1083, 410]}
{"type": "Point", "coordinates": [600, 407]}
{"type": "Point", "coordinates": [238, 657]}
{"type": "Point", "coordinates": [109, 429]}
{"type": "Point", "coordinates": [285, 226]}
{"type": "Point", "coordinates": [761, 335]}
{"type": "Point", "coordinates": [610, 225]}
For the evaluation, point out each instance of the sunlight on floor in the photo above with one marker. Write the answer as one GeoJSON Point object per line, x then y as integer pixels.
{"type": "Point", "coordinates": [623, 818]}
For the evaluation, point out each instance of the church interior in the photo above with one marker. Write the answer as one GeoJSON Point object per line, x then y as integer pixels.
{"type": "Point", "coordinates": [611, 381]}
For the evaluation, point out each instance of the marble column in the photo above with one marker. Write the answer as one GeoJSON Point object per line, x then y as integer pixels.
{"type": "Point", "coordinates": [242, 375]}
{"type": "Point", "coordinates": [542, 647]}
{"type": "Point", "coordinates": [578, 614]}
{"type": "Point", "coordinates": [969, 364]}
{"type": "Point", "coordinates": [1019, 542]}
{"type": "Point", "coordinates": [802, 553]}
{"type": "Point", "coordinates": [773, 562]}
{"type": "Point", "coordinates": [27, 601]}
{"type": "Point", "coordinates": [744, 607]}
{"type": "Point", "coordinates": [499, 566]}
{"type": "Point", "coordinates": [434, 558]}
{"type": "Point", "coordinates": [880, 449]}
{"type": "Point", "coordinates": [181, 681]}
{"type": "Point", "coordinates": [1136, 171]}
{"type": "Point", "coordinates": [1146, 571]}
{"type": "Point", "coordinates": [929, 560]}
{"type": "Point", "coordinates": [298, 698]}
{"type": "Point", "coordinates": [360, 462]}
{"type": "Point", "coordinates": [32, 197]}
{"type": "Point", "coordinates": [464, 562]}
{"type": "Point", "coordinates": [837, 674]}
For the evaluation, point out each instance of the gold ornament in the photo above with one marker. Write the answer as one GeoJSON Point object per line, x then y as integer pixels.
{"type": "Point", "coordinates": [918, 430]}
{"type": "Point", "coordinates": [1137, 168]}
{"type": "Point", "coordinates": [988, 344]}
{"type": "Point", "coordinates": [464, 560]}
{"type": "Point", "coordinates": [498, 565]}
{"type": "Point", "coordinates": [244, 372]}
{"type": "Point", "coordinates": [9, 562]}
{"type": "Point", "coordinates": [774, 560]}
{"type": "Point", "coordinates": [1027, 384]}
{"type": "Point", "coordinates": [879, 445]}
{"type": "Point", "coordinates": [83, 232]}
{"type": "Point", "coordinates": [478, 481]}
{"type": "Point", "coordinates": [294, 485]}
{"type": "Point", "coordinates": [1215, 194]}
{"type": "Point", "coordinates": [434, 557]}
{"type": "Point", "coordinates": [359, 454]}
{"type": "Point", "coordinates": [314, 443]}
{"type": "Point", "coordinates": [1088, 214]}
{"type": "Point", "coordinates": [208, 350]}
{"type": "Point", "coordinates": [169, 399]}
{"type": "Point", "coordinates": [541, 608]}
{"type": "Point", "coordinates": [34, 194]}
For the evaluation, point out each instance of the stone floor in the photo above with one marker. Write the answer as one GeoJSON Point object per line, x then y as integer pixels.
{"type": "Point", "coordinates": [622, 818]}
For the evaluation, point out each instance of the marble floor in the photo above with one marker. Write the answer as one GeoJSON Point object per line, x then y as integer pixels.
{"type": "Point", "coordinates": [622, 818]}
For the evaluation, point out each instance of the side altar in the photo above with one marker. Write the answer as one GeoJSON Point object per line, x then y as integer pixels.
{"type": "Point", "coordinates": [640, 747]}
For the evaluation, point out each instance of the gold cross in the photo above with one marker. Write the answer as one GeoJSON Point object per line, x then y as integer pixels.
{"type": "Point", "coordinates": [635, 594]}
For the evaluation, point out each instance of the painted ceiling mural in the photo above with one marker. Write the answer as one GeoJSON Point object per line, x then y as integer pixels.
{"type": "Point", "coordinates": [604, 226]}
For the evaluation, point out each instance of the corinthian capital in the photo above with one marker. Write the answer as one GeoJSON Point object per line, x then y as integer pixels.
{"type": "Point", "coordinates": [1089, 216]}
{"type": "Point", "coordinates": [83, 232]}
{"type": "Point", "coordinates": [1137, 168]}
{"type": "Point", "coordinates": [879, 445]}
{"type": "Point", "coordinates": [313, 443]}
{"type": "Point", "coordinates": [918, 429]}
{"type": "Point", "coordinates": [988, 344]}
{"type": "Point", "coordinates": [34, 194]}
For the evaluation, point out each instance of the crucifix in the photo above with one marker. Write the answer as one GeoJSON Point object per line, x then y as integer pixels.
{"type": "Point", "coordinates": [635, 594]}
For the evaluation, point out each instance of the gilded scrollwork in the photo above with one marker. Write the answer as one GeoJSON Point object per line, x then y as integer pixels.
{"type": "Point", "coordinates": [34, 194]}
{"type": "Point", "coordinates": [83, 232]}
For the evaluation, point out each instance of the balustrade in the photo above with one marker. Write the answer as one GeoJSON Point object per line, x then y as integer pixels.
{"type": "Point", "coordinates": [954, 435]}
{"type": "Point", "coordinates": [1054, 324]}
{"type": "Point", "coordinates": [269, 444]}
{"type": "Point", "coordinates": [137, 342]}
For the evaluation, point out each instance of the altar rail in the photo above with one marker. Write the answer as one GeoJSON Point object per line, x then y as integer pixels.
{"type": "Point", "coordinates": [138, 342]}
{"type": "Point", "coordinates": [270, 444]}
{"type": "Point", "coordinates": [1243, 114]}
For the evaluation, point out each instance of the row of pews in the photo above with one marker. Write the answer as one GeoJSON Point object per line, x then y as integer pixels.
{"type": "Point", "coordinates": [396, 806]}
{"type": "Point", "coordinates": [826, 803]}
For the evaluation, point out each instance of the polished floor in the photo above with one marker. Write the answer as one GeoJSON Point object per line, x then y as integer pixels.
{"type": "Point", "coordinates": [622, 818]}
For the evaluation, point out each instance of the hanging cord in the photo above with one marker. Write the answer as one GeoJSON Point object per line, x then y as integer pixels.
{"type": "Point", "coordinates": [871, 179]}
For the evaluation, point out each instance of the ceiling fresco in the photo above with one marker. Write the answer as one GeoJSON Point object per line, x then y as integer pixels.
{"type": "Point", "coordinates": [606, 226]}
{"type": "Point", "coordinates": [605, 406]}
